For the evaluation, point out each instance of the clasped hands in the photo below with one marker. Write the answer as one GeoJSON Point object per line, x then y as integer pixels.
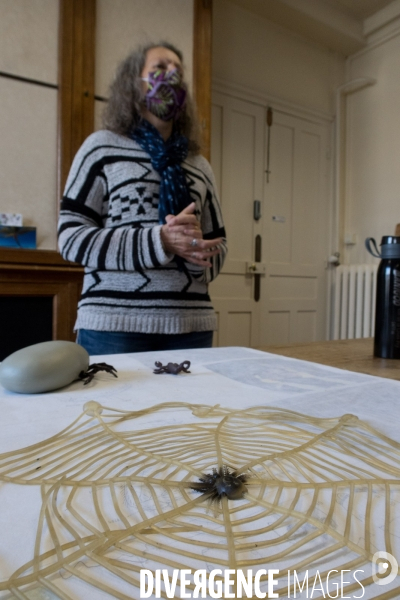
{"type": "Point", "coordinates": [182, 235]}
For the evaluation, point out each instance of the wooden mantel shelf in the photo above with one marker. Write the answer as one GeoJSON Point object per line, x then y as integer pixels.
{"type": "Point", "coordinates": [35, 257]}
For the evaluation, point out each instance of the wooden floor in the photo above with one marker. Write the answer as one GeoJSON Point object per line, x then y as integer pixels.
{"type": "Point", "coordinates": [353, 355]}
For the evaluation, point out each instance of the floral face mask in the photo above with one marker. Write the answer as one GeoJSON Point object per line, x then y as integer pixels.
{"type": "Point", "coordinates": [166, 96]}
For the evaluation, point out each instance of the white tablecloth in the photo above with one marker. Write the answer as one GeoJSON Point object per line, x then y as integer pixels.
{"type": "Point", "coordinates": [231, 377]}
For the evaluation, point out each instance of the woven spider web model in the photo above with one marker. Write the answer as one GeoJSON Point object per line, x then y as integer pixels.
{"type": "Point", "coordinates": [116, 498]}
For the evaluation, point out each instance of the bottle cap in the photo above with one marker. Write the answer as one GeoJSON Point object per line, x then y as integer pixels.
{"type": "Point", "coordinates": [390, 239]}
{"type": "Point", "coordinates": [390, 247]}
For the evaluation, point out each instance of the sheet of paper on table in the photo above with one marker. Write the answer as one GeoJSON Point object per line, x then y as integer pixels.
{"type": "Point", "coordinates": [235, 378]}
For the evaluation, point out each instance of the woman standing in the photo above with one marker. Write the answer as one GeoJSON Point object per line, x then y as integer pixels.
{"type": "Point", "coordinates": [140, 212]}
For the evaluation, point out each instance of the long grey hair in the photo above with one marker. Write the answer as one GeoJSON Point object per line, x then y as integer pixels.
{"type": "Point", "coordinates": [123, 110]}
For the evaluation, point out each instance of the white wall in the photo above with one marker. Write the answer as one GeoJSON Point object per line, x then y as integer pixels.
{"type": "Point", "coordinates": [253, 52]}
{"type": "Point", "coordinates": [372, 185]}
{"type": "Point", "coordinates": [28, 114]}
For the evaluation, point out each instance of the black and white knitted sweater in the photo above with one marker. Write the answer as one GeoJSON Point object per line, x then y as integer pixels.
{"type": "Point", "coordinates": [109, 223]}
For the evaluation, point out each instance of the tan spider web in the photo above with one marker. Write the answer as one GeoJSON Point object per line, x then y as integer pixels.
{"type": "Point", "coordinates": [116, 497]}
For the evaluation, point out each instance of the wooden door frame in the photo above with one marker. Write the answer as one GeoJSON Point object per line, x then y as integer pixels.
{"type": "Point", "coordinates": [77, 23]}
{"type": "Point", "coordinates": [202, 65]}
{"type": "Point", "coordinates": [76, 74]}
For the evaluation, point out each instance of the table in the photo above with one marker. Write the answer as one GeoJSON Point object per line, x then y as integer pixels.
{"type": "Point", "coordinates": [235, 379]}
{"type": "Point", "coordinates": [352, 355]}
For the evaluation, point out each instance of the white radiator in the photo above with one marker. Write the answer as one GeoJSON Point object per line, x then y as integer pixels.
{"type": "Point", "coordinates": [354, 303]}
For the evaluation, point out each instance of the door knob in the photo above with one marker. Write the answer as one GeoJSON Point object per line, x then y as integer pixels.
{"type": "Point", "coordinates": [333, 259]}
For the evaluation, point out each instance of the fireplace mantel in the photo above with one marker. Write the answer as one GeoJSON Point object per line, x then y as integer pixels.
{"type": "Point", "coordinates": [35, 274]}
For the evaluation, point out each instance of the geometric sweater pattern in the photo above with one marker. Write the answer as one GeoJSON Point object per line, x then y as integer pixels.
{"type": "Point", "coordinates": [109, 224]}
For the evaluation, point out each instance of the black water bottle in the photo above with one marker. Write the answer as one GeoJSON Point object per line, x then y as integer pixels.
{"type": "Point", "coordinates": [387, 315]}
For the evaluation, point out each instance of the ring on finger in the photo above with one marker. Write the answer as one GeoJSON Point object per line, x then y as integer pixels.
{"type": "Point", "coordinates": [194, 243]}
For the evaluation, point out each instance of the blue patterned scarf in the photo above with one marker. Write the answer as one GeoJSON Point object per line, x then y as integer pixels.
{"type": "Point", "coordinates": [166, 158]}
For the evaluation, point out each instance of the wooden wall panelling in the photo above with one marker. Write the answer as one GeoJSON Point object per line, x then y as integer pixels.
{"type": "Point", "coordinates": [202, 55]}
{"type": "Point", "coordinates": [76, 80]}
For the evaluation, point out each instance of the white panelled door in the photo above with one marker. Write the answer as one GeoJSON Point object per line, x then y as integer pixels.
{"type": "Point", "coordinates": [293, 226]}
{"type": "Point", "coordinates": [296, 232]}
{"type": "Point", "coordinates": [237, 156]}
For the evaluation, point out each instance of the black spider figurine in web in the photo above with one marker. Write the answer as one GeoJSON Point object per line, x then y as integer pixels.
{"type": "Point", "coordinates": [87, 376]}
{"type": "Point", "coordinates": [221, 482]}
{"type": "Point", "coordinates": [172, 368]}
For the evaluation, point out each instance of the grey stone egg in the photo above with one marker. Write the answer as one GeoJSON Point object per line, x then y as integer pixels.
{"type": "Point", "coordinates": [43, 367]}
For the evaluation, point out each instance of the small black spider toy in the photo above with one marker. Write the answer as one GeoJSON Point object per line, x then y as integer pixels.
{"type": "Point", "coordinates": [221, 482]}
{"type": "Point", "coordinates": [87, 376]}
{"type": "Point", "coordinates": [172, 368]}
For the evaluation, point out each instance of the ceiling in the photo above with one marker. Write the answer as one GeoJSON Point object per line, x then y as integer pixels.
{"type": "Point", "coordinates": [360, 9]}
{"type": "Point", "coordinates": [337, 24]}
